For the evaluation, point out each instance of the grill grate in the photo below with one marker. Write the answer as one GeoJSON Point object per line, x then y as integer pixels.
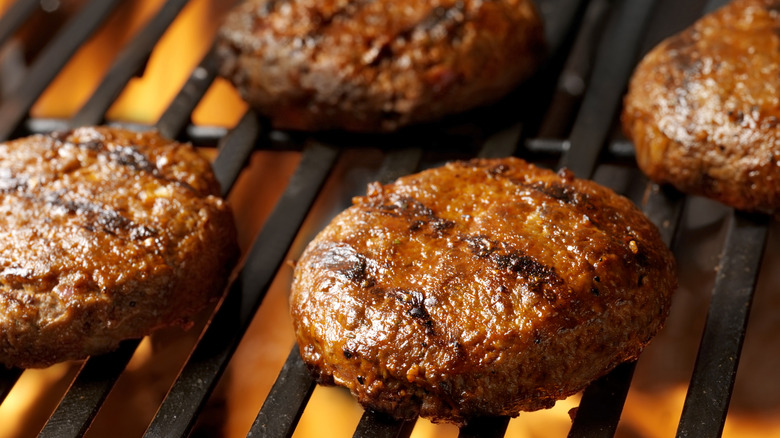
{"type": "Point", "coordinates": [577, 130]}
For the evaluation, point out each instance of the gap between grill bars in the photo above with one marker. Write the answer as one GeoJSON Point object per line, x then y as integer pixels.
{"type": "Point", "coordinates": [577, 131]}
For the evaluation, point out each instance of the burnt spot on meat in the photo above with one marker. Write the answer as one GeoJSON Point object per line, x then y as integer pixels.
{"type": "Point", "coordinates": [323, 21]}
{"type": "Point", "coordinates": [416, 306]}
{"type": "Point", "coordinates": [443, 21]}
{"type": "Point", "coordinates": [270, 6]}
{"type": "Point", "coordinates": [98, 218]}
{"type": "Point", "coordinates": [539, 277]}
{"type": "Point", "coordinates": [419, 216]}
{"type": "Point", "coordinates": [131, 157]}
{"type": "Point", "coordinates": [11, 183]}
{"type": "Point", "coordinates": [479, 245]}
{"type": "Point", "coordinates": [561, 192]}
{"type": "Point", "coordinates": [343, 260]}
{"type": "Point", "coordinates": [498, 169]}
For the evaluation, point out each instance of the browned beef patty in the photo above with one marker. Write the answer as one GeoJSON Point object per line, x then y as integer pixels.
{"type": "Point", "coordinates": [106, 235]}
{"type": "Point", "coordinates": [703, 107]}
{"type": "Point", "coordinates": [368, 65]}
{"type": "Point", "coordinates": [479, 288]}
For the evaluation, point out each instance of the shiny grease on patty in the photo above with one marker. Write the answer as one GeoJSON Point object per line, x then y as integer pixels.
{"type": "Point", "coordinates": [702, 107]}
{"type": "Point", "coordinates": [106, 234]}
{"type": "Point", "coordinates": [376, 65]}
{"type": "Point", "coordinates": [479, 288]}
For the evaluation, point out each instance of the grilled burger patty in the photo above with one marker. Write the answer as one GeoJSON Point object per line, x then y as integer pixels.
{"type": "Point", "coordinates": [702, 107]}
{"type": "Point", "coordinates": [479, 288]}
{"type": "Point", "coordinates": [368, 65]}
{"type": "Point", "coordinates": [106, 235]}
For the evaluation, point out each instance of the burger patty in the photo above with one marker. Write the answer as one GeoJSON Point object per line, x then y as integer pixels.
{"type": "Point", "coordinates": [479, 288]}
{"type": "Point", "coordinates": [702, 107]}
{"type": "Point", "coordinates": [106, 235]}
{"type": "Point", "coordinates": [376, 65]}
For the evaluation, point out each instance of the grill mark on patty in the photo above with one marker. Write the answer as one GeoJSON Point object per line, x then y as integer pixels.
{"type": "Point", "coordinates": [415, 301]}
{"type": "Point", "coordinates": [417, 214]}
{"type": "Point", "coordinates": [439, 22]}
{"type": "Point", "coordinates": [270, 6]}
{"type": "Point", "coordinates": [323, 22]}
{"type": "Point", "coordinates": [10, 183]}
{"type": "Point", "coordinates": [129, 156]}
{"type": "Point", "coordinates": [541, 279]}
{"type": "Point", "coordinates": [449, 17]}
{"type": "Point", "coordinates": [342, 259]}
{"type": "Point", "coordinates": [97, 217]}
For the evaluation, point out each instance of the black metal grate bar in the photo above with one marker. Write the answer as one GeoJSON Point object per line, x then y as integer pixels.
{"type": "Point", "coordinates": [235, 149]}
{"type": "Point", "coordinates": [176, 415]}
{"type": "Point", "coordinates": [602, 404]}
{"type": "Point", "coordinates": [575, 73]}
{"type": "Point", "coordinates": [374, 425]}
{"type": "Point", "coordinates": [503, 143]}
{"type": "Point", "coordinates": [278, 416]}
{"type": "Point", "coordinates": [87, 392]}
{"type": "Point", "coordinates": [488, 427]}
{"type": "Point", "coordinates": [15, 16]}
{"type": "Point", "coordinates": [128, 63]}
{"type": "Point", "coordinates": [613, 66]}
{"type": "Point", "coordinates": [50, 61]}
{"type": "Point", "coordinates": [8, 377]}
{"type": "Point", "coordinates": [707, 401]}
{"type": "Point", "coordinates": [178, 114]}
{"type": "Point", "coordinates": [712, 5]}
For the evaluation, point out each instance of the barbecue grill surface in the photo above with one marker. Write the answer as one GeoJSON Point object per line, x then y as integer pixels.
{"type": "Point", "coordinates": [285, 186]}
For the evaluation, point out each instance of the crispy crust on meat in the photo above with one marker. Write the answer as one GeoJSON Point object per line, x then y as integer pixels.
{"type": "Point", "coordinates": [106, 235]}
{"type": "Point", "coordinates": [376, 65]}
{"type": "Point", "coordinates": [479, 288]}
{"type": "Point", "coordinates": [702, 107]}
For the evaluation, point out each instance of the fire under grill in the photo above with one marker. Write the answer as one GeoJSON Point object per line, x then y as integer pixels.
{"type": "Point", "coordinates": [565, 116]}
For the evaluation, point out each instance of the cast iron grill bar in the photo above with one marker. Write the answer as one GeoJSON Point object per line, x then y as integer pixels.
{"type": "Point", "coordinates": [285, 402]}
{"type": "Point", "coordinates": [712, 5]}
{"type": "Point", "coordinates": [15, 16]}
{"type": "Point", "coordinates": [178, 411]}
{"type": "Point", "coordinates": [613, 66]}
{"type": "Point", "coordinates": [375, 425]}
{"type": "Point", "coordinates": [98, 374]}
{"type": "Point", "coordinates": [235, 149]}
{"type": "Point", "coordinates": [602, 404]}
{"type": "Point", "coordinates": [576, 72]}
{"type": "Point", "coordinates": [487, 427]}
{"type": "Point", "coordinates": [179, 112]}
{"type": "Point", "coordinates": [709, 393]}
{"type": "Point", "coordinates": [8, 377]}
{"type": "Point", "coordinates": [128, 63]}
{"type": "Point", "coordinates": [87, 392]}
{"type": "Point", "coordinates": [51, 60]}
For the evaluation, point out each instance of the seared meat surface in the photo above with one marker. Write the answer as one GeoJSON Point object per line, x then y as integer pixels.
{"type": "Point", "coordinates": [479, 288]}
{"type": "Point", "coordinates": [106, 234]}
{"type": "Point", "coordinates": [702, 107]}
{"type": "Point", "coordinates": [376, 65]}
